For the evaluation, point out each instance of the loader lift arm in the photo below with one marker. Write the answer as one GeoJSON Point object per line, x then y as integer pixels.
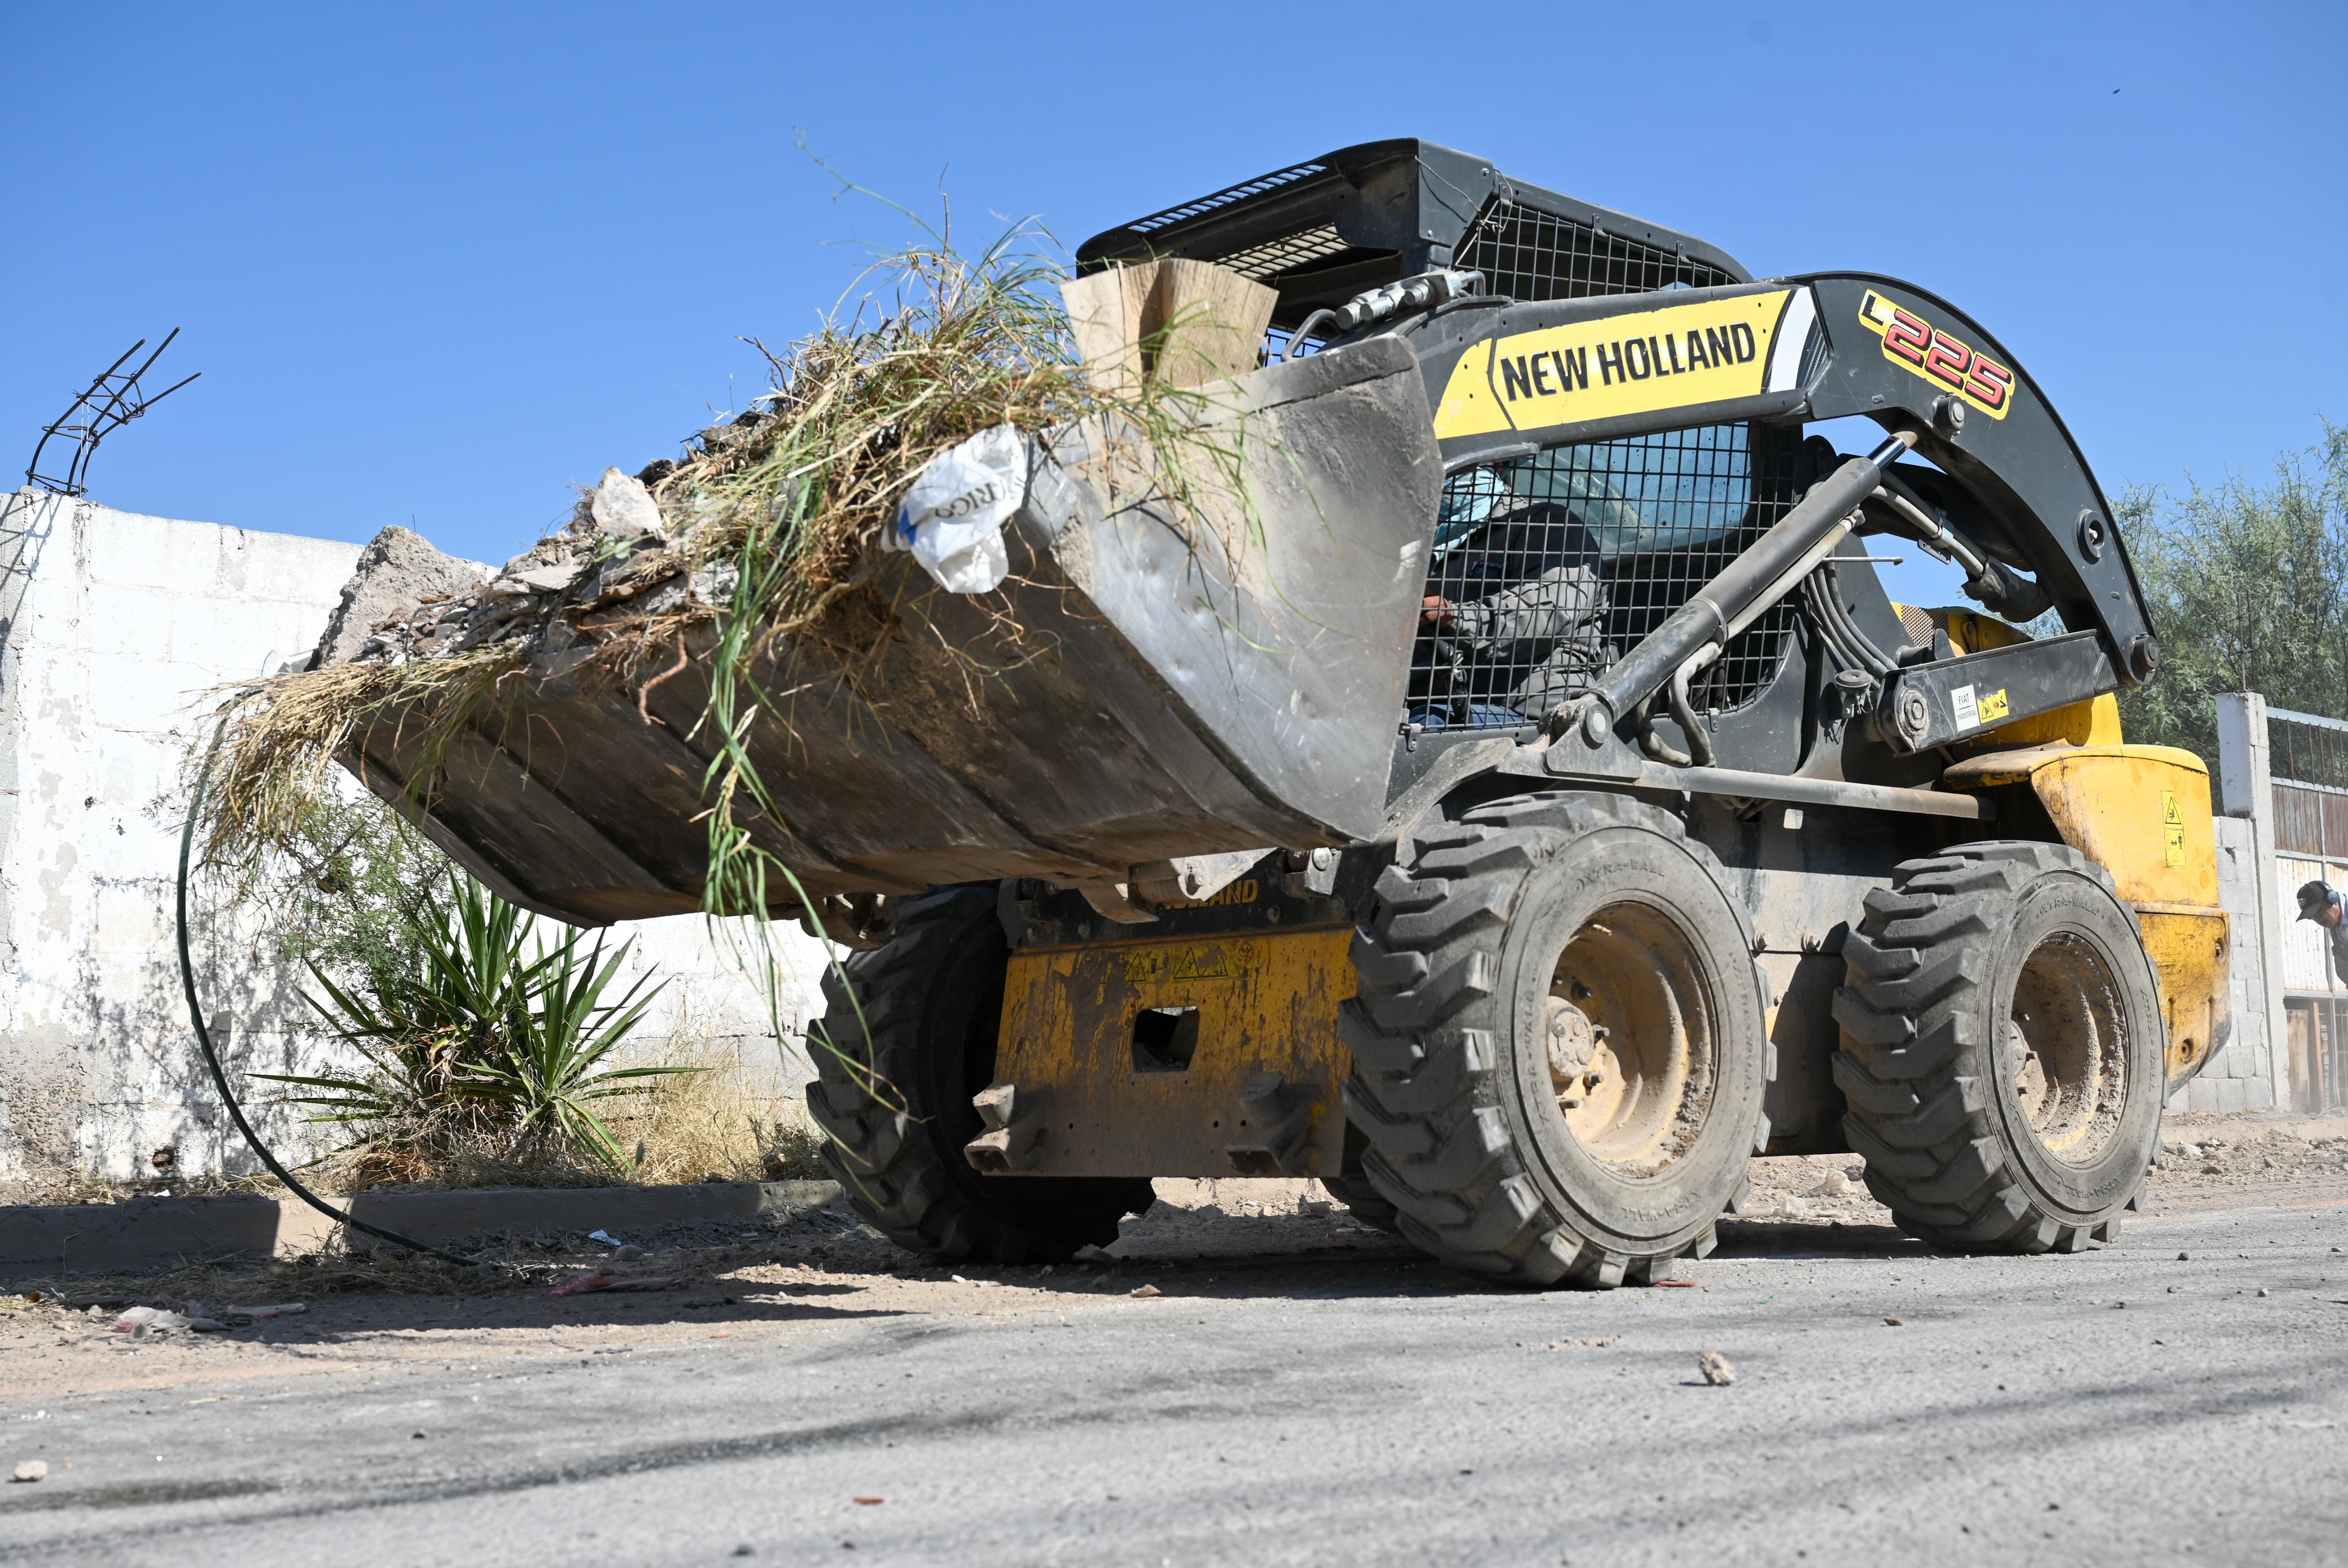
{"type": "Point", "coordinates": [1506, 379]}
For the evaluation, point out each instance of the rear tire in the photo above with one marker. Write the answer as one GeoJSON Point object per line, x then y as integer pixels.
{"type": "Point", "coordinates": [1558, 1041]}
{"type": "Point", "coordinates": [893, 1091]}
{"type": "Point", "coordinates": [2002, 1049]}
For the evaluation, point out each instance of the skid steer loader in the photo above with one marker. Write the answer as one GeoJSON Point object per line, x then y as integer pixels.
{"type": "Point", "coordinates": [1551, 814]}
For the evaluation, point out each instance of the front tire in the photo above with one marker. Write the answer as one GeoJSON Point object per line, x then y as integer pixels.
{"type": "Point", "coordinates": [906, 1038]}
{"type": "Point", "coordinates": [1559, 1041]}
{"type": "Point", "coordinates": [2002, 1049]}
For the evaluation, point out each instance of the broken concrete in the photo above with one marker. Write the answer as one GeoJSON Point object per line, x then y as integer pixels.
{"type": "Point", "coordinates": [398, 572]}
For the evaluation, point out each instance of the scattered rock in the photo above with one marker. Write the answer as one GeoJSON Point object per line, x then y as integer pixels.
{"type": "Point", "coordinates": [622, 507]}
{"type": "Point", "coordinates": [1715, 1368]}
{"type": "Point", "coordinates": [714, 584]}
{"type": "Point", "coordinates": [1894, 1322]}
{"type": "Point", "coordinates": [539, 580]}
{"type": "Point", "coordinates": [1142, 1291]}
{"type": "Point", "coordinates": [32, 1469]}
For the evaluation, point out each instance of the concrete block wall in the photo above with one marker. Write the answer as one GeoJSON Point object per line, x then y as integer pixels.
{"type": "Point", "coordinates": [2242, 1076]}
{"type": "Point", "coordinates": [113, 628]}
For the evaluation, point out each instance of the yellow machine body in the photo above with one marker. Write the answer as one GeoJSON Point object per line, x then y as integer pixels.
{"type": "Point", "coordinates": [1249, 1017]}
{"type": "Point", "coordinates": [1260, 1004]}
{"type": "Point", "coordinates": [2141, 812]}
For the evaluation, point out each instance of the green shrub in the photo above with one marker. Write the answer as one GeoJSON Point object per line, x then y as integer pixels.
{"type": "Point", "coordinates": [477, 1036]}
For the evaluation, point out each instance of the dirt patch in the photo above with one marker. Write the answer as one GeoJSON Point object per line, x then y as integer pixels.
{"type": "Point", "coordinates": [733, 1278]}
{"type": "Point", "coordinates": [2219, 1161]}
{"type": "Point", "coordinates": [1236, 1242]}
{"type": "Point", "coordinates": [2206, 1163]}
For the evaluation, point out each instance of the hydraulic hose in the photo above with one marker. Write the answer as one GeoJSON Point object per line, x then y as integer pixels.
{"type": "Point", "coordinates": [1928, 530]}
{"type": "Point", "coordinates": [211, 1055]}
{"type": "Point", "coordinates": [1303, 330]}
{"type": "Point", "coordinates": [1699, 739]}
{"type": "Point", "coordinates": [1815, 592]}
{"type": "Point", "coordinates": [1643, 720]}
{"type": "Point", "coordinates": [1770, 567]}
{"type": "Point", "coordinates": [1826, 604]}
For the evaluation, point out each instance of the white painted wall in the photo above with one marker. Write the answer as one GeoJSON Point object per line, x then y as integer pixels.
{"type": "Point", "coordinates": [112, 628]}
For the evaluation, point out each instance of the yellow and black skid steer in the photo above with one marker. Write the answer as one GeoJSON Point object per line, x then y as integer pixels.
{"type": "Point", "coordinates": [1534, 812]}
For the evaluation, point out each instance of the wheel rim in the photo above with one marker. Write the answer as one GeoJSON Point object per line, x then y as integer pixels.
{"type": "Point", "coordinates": [2067, 1047]}
{"type": "Point", "coordinates": [1632, 1040]}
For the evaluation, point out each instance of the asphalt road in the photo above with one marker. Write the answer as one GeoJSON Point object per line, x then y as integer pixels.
{"type": "Point", "coordinates": [1270, 1409]}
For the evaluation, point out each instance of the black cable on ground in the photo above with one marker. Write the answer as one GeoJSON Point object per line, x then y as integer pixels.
{"type": "Point", "coordinates": [211, 1057]}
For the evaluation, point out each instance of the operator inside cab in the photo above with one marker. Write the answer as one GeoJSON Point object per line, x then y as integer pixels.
{"type": "Point", "coordinates": [1517, 617]}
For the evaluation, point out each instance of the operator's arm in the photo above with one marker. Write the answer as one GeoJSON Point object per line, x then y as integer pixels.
{"type": "Point", "coordinates": [2339, 934]}
{"type": "Point", "coordinates": [1543, 556]}
{"type": "Point", "coordinates": [1551, 607]}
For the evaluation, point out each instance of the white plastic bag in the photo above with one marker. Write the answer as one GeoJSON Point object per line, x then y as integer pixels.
{"type": "Point", "coordinates": [951, 519]}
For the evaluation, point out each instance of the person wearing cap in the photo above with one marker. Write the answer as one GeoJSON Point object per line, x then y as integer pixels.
{"type": "Point", "coordinates": [2319, 904]}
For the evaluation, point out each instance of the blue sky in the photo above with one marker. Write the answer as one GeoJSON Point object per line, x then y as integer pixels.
{"type": "Point", "coordinates": [438, 264]}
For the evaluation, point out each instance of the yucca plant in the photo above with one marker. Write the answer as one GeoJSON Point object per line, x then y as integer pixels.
{"type": "Point", "coordinates": [484, 1034]}
{"type": "Point", "coordinates": [551, 1062]}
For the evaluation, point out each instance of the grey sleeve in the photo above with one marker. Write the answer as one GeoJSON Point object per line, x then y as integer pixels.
{"type": "Point", "coordinates": [1553, 606]}
{"type": "Point", "coordinates": [2339, 934]}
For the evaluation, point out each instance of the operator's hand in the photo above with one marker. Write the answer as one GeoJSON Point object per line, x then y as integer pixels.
{"type": "Point", "coordinates": [1437, 611]}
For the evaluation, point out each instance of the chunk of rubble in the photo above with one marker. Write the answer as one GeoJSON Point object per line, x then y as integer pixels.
{"type": "Point", "coordinates": [606, 576]}
{"type": "Point", "coordinates": [622, 507]}
{"type": "Point", "coordinates": [398, 573]}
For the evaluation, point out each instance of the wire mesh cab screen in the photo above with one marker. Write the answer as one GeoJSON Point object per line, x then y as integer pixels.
{"type": "Point", "coordinates": [1526, 253]}
{"type": "Point", "coordinates": [1547, 569]}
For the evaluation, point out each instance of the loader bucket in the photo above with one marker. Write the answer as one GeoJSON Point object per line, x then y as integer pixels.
{"type": "Point", "coordinates": [1143, 687]}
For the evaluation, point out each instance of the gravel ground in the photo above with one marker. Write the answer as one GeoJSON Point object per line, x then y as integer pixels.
{"type": "Point", "coordinates": [822, 1264]}
{"type": "Point", "coordinates": [1247, 1375]}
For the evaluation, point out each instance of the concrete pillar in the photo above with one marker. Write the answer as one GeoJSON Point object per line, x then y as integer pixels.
{"type": "Point", "coordinates": [2246, 790]}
